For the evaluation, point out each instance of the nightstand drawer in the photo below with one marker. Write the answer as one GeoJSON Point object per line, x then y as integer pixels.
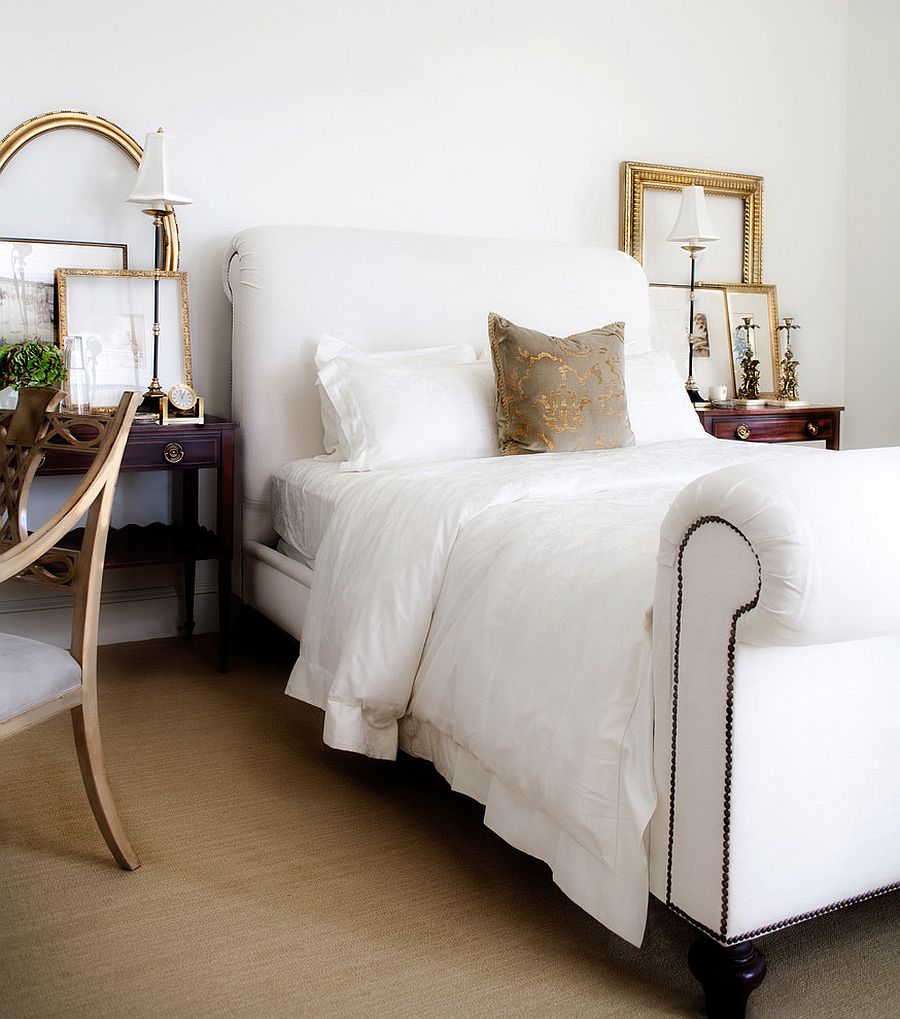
{"type": "Point", "coordinates": [774, 424]}
{"type": "Point", "coordinates": [150, 447]}
{"type": "Point", "coordinates": [774, 428]}
{"type": "Point", "coordinates": [165, 451]}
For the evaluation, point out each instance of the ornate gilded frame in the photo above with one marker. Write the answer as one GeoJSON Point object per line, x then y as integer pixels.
{"type": "Point", "coordinates": [62, 286]}
{"type": "Point", "coordinates": [770, 292]}
{"type": "Point", "coordinates": [41, 125]}
{"type": "Point", "coordinates": [636, 177]}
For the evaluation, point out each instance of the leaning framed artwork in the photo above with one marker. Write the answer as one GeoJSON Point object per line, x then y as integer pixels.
{"type": "Point", "coordinates": [648, 204]}
{"type": "Point", "coordinates": [669, 313]}
{"type": "Point", "coordinates": [759, 304]}
{"type": "Point", "coordinates": [27, 281]}
{"type": "Point", "coordinates": [113, 313]}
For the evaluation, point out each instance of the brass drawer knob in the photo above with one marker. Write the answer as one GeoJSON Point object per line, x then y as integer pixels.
{"type": "Point", "coordinates": [174, 452]}
{"type": "Point", "coordinates": [742, 431]}
{"type": "Point", "coordinates": [812, 430]}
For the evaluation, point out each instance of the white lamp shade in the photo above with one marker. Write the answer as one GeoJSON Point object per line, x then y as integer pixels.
{"type": "Point", "coordinates": [158, 181]}
{"type": "Point", "coordinates": [693, 225]}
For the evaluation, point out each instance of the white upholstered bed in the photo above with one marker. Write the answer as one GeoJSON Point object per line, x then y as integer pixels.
{"type": "Point", "coordinates": [670, 667]}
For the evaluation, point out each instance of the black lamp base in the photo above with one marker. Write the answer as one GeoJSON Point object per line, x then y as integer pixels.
{"type": "Point", "coordinates": [693, 393]}
{"type": "Point", "coordinates": [149, 409]}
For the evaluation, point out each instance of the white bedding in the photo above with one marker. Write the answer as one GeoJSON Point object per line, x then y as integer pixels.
{"type": "Point", "coordinates": [304, 496]}
{"type": "Point", "coordinates": [504, 605]}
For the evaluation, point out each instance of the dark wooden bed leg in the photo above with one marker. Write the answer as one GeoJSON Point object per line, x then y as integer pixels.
{"type": "Point", "coordinates": [728, 974]}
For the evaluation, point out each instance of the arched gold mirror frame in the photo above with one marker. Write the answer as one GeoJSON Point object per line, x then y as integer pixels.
{"type": "Point", "coordinates": [38, 126]}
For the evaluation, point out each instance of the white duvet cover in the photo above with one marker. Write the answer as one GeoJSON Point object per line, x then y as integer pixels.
{"type": "Point", "coordinates": [500, 608]}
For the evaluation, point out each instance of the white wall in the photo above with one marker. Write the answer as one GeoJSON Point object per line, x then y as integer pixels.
{"type": "Point", "coordinates": [492, 117]}
{"type": "Point", "coordinates": [873, 262]}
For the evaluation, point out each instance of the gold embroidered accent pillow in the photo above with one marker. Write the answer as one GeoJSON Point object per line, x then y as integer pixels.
{"type": "Point", "coordinates": [556, 394]}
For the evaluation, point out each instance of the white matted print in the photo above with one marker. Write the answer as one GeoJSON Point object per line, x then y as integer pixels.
{"type": "Point", "coordinates": [669, 312]}
{"type": "Point", "coordinates": [759, 303]}
{"type": "Point", "coordinates": [113, 313]}
{"type": "Point", "coordinates": [26, 311]}
{"type": "Point", "coordinates": [27, 281]}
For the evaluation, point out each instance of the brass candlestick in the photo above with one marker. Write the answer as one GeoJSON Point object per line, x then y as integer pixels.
{"type": "Point", "coordinates": [788, 389]}
{"type": "Point", "coordinates": [749, 388]}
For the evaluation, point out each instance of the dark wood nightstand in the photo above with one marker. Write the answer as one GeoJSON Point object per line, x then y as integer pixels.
{"type": "Point", "coordinates": [774, 424]}
{"type": "Point", "coordinates": [184, 449]}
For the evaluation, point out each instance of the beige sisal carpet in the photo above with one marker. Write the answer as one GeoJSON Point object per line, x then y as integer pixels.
{"type": "Point", "coordinates": [281, 878]}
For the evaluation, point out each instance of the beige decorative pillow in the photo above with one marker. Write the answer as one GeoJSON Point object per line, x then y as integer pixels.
{"type": "Point", "coordinates": [558, 395]}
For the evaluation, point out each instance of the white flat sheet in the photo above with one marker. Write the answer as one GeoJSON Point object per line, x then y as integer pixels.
{"type": "Point", "coordinates": [503, 604]}
{"type": "Point", "coordinates": [304, 496]}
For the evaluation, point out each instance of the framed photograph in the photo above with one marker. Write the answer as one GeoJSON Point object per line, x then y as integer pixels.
{"type": "Point", "coordinates": [759, 304]}
{"type": "Point", "coordinates": [649, 201]}
{"type": "Point", "coordinates": [112, 310]}
{"type": "Point", "coordinates": [669, 310]}
{"type": "Point", "coordinates": [28, 281]}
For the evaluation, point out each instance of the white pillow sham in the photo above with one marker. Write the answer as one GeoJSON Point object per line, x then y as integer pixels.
{"type": "Point", "coordinates": [390, 413]}
{"type": "Point", "coordinates": [658, 405]}
{"type": "Point", "coordinates": [330, 348]}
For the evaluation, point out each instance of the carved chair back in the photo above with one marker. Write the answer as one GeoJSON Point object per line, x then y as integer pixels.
{"type": "Point", "coordinates": [98, 442]}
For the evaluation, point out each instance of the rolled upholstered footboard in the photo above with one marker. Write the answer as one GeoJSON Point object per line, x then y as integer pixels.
{"type": "Point", "coordinates": [777, 682]}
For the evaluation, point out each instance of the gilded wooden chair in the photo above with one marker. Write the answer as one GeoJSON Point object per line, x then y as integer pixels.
{"type": "Point", "coordinates": [40, 680]}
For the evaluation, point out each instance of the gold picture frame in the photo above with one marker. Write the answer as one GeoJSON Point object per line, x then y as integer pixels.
{"type": "Point", "coordinates": [36, 127]}
{"type": "Point", "coordinates": [713, 361]}
{"type": "Point", "coordinates": [636, 179]}
{"type": "Point", "coordinates": [112, 310]}
{"type": "Point", "coordinates": [759, 300]}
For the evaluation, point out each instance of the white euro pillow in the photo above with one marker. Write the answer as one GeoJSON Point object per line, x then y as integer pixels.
{"type": "Point", "coordinates": [659, 408]}
{"type": "Point", "coordinates": [330, 348]}
{"type": "Point", "coordinates": [390, 413]}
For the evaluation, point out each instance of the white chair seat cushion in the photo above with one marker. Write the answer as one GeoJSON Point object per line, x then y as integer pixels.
{"type": "Point", "coordinates": [32, 672]}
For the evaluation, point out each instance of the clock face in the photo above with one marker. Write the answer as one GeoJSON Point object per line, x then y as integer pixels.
{"type": "Point", "coordinates": [182, 397]}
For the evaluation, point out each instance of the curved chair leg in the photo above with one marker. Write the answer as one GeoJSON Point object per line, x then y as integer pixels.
{"type": "Point", "coordinates": [86, 726]}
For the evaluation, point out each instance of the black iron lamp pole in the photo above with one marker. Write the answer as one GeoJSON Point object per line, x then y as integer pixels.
{"type": "Point", "coordinates": [693, 250]}
{"type": "Point", "coordinates": [150, 402]}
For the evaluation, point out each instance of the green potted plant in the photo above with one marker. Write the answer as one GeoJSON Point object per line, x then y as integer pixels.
{"type": "Point", "coordinates": [37, 372]}
{"type": "Point", "coordinates": [32, 365]}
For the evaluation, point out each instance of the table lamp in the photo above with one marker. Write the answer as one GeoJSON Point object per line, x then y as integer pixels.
{"type": "Point", "coordinates": [158, 187]}
{"type": "Point", "coordinates": [693, 230]}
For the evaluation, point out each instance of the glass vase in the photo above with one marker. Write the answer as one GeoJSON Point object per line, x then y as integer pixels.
{"type": "Point", "coordinates": [77, 398]}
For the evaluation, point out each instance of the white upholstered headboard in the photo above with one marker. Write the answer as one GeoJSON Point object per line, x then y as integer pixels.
{"type": "Point", "coordinates": [381, 291]}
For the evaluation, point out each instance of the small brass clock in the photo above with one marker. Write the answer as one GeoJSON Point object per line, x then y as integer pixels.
{"type": "Point", "coordinates": [182, 406]}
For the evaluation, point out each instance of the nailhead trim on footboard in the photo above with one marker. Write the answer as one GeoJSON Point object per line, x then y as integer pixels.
{"type": "Point", "coordinates": [720, 935]}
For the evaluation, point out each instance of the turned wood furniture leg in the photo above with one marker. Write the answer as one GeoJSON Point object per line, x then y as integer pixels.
{"type": "Point", "coordinates": [224, 611]}
{"type": "Point", "coordinates": [190, 576]}
{"type": "Point", "coordinates": [728, 973]}
{"type": "Point", "coordinates": [86, 726]}
{"type": "Point", "coordinates": [189, 480]}
{"type": "Point", "coordinates": [225, 533]}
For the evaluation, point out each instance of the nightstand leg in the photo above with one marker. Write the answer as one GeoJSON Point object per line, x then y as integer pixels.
{"type": "Point", "coordinates": [190, 575]}
{"type": "Point", "coordinates": [225, 537]}
{"type": "Point", "coordinates": [224, 611]}
{"type": "Point", "coordinates": [189, 480]}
